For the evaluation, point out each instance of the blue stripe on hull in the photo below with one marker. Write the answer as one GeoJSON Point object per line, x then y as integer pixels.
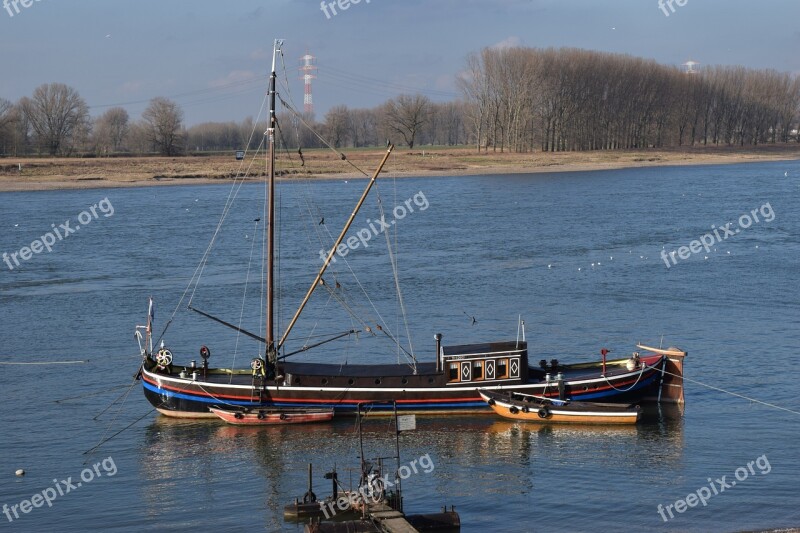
{"type": "Point", "coordinates": [612, 393]}
{"type": "Point", "coordinates": [203, 399]}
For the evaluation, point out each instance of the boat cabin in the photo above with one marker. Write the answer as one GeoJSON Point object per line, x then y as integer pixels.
{"type": "Point", "coordinates": [488, 362]}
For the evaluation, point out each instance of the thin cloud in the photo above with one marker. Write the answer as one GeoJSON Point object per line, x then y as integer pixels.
{"type": "Point", "coordinates": [233, 78]}
{"type": "Point", "coordinates": [508, 42]}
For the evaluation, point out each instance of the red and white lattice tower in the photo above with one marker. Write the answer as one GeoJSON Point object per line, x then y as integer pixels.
{"type": "Point", "coordinates": [308, 69]}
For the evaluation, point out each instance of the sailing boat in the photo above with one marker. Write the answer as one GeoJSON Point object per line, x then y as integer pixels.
{"type": "Point", "coordinates": [448, 384]}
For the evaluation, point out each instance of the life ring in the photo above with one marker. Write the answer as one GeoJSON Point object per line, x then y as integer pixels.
{"type": "Point", "coordinates": [513, 410]}
{"type": "Point", "coordinates": [544, 412]}
{"type": "Point", "coordinates": [256, 364]}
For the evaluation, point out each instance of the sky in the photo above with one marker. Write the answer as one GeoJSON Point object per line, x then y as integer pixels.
{"type": "Point", "coordinates": [212, 57]}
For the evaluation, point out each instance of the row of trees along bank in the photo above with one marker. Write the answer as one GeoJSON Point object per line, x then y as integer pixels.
{"type": "Point", "coordinates": [513, 99]}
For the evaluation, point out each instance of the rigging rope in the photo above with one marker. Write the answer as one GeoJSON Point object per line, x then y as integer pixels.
{"type": "Point", "coordinates": [641, 373]}
{"type": "Point", "coordinates": [323, 234]}
{"type": "Point", "coordinates": [244, 299]}
{"type": "Point", "coordinates": [232, 194]}
{"type": "Point", "coordinates": [198, 272]}
{"type": "Point", "coordinates": [324, 141]}
{"type": "Point", "coordinates": [393, 261]}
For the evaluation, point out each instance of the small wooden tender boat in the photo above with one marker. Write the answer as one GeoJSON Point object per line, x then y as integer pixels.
{"type": "Point", "coordinates": [518, 406]}
{"type": "Point", "coordinates": [266, 416]}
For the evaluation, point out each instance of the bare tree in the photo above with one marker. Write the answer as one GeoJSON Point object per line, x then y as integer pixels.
{"type": "Point", "coordinates": [406, 115]}
{"type": "Point", "coordinates": [111, 129]}
{"type": "Point", "coordinates": [58, 116]}
{"type": "Point", "coordinates": [474, 85]}
{"type": "Point", "coordinates": [6, 129]}
{"type": "Point", "coordinates": [337, 125]}
{"type": "Point", "coordinates": [163, 125]}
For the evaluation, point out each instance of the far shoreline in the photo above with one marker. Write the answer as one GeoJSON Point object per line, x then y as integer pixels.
{"type": "Point", "coordinates": [44, 174]}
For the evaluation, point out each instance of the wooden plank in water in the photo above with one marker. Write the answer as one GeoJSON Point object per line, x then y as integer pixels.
{"type": "Point", "coordinates": [396, 525]}
{"type": "Point", "coordinates": [388, 519]}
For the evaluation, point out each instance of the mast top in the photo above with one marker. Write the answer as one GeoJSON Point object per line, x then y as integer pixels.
{"type": "Point", "coordinates": [277, 48]}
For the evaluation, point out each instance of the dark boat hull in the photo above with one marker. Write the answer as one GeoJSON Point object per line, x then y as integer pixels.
{"type": "Point", "coordinates": [426, 392]}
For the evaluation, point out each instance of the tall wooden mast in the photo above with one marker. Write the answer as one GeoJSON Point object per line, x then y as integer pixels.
{"type": "Point", "coordinates": [271, 354]}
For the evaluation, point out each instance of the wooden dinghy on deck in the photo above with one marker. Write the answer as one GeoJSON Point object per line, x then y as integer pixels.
{"type": "Point", "coordinates": [529, 408]}
{"type": "Point", "coordinates": [266, 417]}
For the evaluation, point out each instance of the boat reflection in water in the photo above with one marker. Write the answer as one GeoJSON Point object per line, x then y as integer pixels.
{"type": "Point", "coordinates": [185, 462]}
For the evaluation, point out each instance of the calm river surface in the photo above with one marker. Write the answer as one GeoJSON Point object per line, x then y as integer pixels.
{"type": "Point", "coordinates": [488, 247]}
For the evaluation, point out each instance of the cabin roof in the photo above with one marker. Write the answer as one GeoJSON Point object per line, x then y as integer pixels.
{"type": "Point", "coordinates": [323, 369]}
{"type": "Point", "coordinates": [485, 348]}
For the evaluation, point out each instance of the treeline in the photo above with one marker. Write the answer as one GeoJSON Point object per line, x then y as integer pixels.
{"type": "Point", "coordinates": [408, 120]}
{"type": "Point", "coordinates": [55, 120]}
{"type": "Point", "coordinates": [568, 99]}
{"type": "Point", "coordinates": [514, 99]}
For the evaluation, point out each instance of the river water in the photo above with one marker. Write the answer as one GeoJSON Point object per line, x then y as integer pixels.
{"type": "Point", "coordinates": [578, 256]}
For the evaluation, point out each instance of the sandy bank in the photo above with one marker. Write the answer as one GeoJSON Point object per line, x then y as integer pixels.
{"type": "Point", "coordinates": [38, 174]}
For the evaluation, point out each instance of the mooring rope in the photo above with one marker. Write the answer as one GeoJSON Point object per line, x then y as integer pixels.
{"type": "Point", "coordinates": [90, 394]}
{"type": "Point", "coordinates": [44, 363]}
{"type": "Point", "coordinates": [103, 440]}
{"type": "Point", "coordinates": [748, 398]}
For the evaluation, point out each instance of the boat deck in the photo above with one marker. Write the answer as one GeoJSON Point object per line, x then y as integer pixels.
{"type": "Point", "coordinates": [535, 375]}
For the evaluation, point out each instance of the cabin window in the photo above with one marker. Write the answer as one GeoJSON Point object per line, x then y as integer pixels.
{"type": "Point", "coordinates": [466, 371]}
{"type": "Point", "coordinates": [404, 381]}
{"type": "Point", "coordinates": [477, 370]}
{"type": "Point", "coordinates": [490, 366]}
{"type": "Point", "coordinates": [453, 375]}
{"type": "Point", "coordinates": [502, 368]}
